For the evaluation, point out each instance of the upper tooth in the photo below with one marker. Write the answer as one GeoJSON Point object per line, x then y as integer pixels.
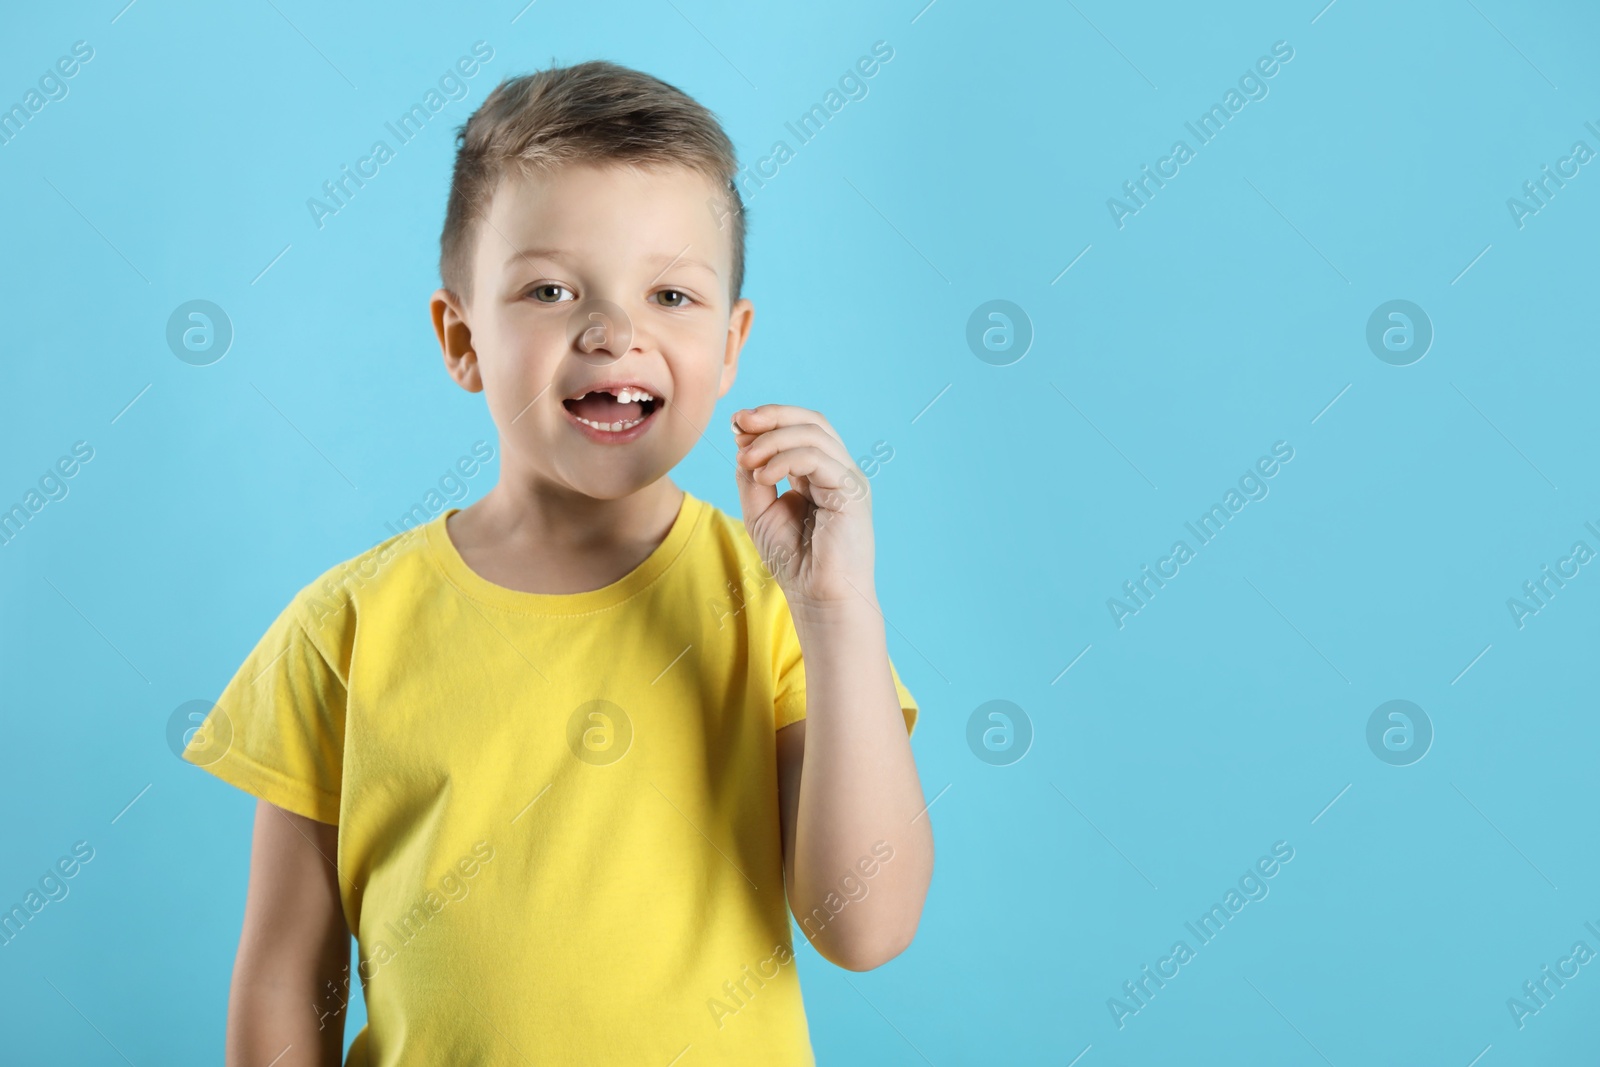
{"type": "Point", "coordinates": [629, 394]}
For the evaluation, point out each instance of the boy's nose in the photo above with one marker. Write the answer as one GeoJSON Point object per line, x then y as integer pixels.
{"type": "Point", "coordinates": [600, 331]}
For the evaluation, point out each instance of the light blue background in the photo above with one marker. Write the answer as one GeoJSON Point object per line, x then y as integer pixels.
{"type": "Point", "coordinates": [1223, 317]}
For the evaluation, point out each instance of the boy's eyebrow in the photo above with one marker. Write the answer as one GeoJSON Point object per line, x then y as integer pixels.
{"type": "Point", "coordinates": [535, 253]}
{"type": "Point", "coordinates": [561, 255]}
{"type": "Point", "coordinates": [688, 261]}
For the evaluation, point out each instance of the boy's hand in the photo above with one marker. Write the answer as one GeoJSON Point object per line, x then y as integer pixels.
{"type": "Point", "coordinates": [816, 539]}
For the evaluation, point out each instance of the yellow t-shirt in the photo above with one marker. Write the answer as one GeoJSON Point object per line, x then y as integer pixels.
{"type": "Point", "coordinates": [558, 813]}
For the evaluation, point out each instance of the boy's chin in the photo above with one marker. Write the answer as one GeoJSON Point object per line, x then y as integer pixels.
{"type": "Point", "coordinates": [611, 480]}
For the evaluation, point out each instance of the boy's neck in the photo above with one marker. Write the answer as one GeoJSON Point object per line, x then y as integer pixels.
{"type": "Point", "coordinates": [535, 540]}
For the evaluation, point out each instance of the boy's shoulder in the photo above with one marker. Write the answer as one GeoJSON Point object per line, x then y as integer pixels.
{"type": "Point", "coordinates": [733, 573]}
{"type": "Point", "coordinates": [333, 598]}
{"type": "Point", "coordinates": [729, 533]}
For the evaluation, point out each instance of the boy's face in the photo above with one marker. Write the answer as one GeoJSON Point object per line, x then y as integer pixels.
{"type": "Point", "coordinates": [586, 276]}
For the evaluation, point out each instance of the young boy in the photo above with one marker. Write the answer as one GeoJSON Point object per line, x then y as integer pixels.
{"type": "Point", "coordinates": [556, 759]}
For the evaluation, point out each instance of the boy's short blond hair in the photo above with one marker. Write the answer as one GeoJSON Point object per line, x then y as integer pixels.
{"type": "Point", "coordinates": [597, 113]}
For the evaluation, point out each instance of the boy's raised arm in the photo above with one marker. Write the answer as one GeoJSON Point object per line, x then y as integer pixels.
{"type": "Point", "coordinates": [286, 1004]}
{"type": "Point", "coordinates": [850, 799]}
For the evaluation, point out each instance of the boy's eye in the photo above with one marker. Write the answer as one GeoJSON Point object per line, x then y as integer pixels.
{"type": "Point", "coordinates": [546, 294]}
{"type": "Point", "coordinates": [667, 295]}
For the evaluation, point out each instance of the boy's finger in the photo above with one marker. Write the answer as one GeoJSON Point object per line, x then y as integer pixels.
{"type": "Point", "coordinates": [754, 497]}
{"type": "Point", "coordinates": [760, 447]}
{"type": "Point", "coordinates": [771, 416]}
{"type": "Point", "coordinates": [818, 469]}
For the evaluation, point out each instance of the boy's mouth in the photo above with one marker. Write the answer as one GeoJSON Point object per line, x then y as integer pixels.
{"type": "Point", "coordinates": [612, 411]}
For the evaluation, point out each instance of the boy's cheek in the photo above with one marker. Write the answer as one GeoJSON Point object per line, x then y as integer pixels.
{"type": "Point", "coordinates": [679, 342]}
{"type": "Point", "coordinates": [518, 369]}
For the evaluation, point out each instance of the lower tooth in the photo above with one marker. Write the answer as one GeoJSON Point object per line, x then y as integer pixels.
{"type": "Point", "coordinates": [612, 427]}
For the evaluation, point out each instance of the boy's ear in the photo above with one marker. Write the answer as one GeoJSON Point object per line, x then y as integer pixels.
{"type": "Point", "coordinates": [455, 340]}
{"type": "Point", "coordinates": [739, 320]}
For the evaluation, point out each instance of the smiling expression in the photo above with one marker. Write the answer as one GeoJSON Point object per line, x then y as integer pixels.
{"type": "Point", "coordinates": [601, 281]}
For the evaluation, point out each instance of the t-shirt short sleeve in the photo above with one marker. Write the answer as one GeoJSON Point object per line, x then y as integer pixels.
{"type": "Point", "coordinates": [277, 730]}
{"type": "Point", "coordinates": [790, 701]}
